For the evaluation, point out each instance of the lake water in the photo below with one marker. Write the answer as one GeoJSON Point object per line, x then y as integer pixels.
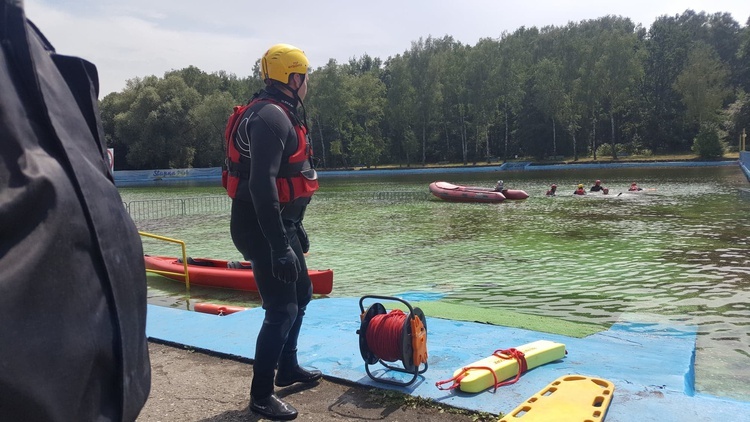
{"type": "Point", "coordinates": [677, 251]}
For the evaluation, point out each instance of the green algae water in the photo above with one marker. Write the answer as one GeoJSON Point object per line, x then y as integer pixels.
{"type": "Point", "coordinates": [677, 251]}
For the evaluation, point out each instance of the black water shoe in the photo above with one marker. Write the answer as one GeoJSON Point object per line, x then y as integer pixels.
{"type": "Point", "coordinates": [273, 407]}
{"type": "Point", "coordinates": [287, 377]}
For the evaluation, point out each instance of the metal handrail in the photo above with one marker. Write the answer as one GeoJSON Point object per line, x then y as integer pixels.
{"type": "Point", "coordinates": [186, 274]}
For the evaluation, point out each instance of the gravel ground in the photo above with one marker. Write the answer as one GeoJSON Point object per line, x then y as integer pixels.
{"type": "Point", "coordinates": [189, 385]}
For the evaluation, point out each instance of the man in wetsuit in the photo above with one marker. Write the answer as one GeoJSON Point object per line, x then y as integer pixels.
{"type": "Point", "coordinates": [598, 187]}
{"type": "Point", "coordinates": [271, 180]}
{"type": "Point", "coordinates": [72, 278]}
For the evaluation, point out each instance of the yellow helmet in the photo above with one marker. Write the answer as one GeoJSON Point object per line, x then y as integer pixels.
{"type": "Point", "coordinates": [281, 60]}
{"type": "Point", "coordinates": [580, 186]}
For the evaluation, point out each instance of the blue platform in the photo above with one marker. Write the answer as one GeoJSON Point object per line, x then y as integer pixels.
{"type": "Point", "coordinates": [650, 364]}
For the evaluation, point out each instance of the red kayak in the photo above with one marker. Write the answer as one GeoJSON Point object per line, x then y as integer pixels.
{"type": "Point", "coordinates": [236, 275]}
{"type": "Point", "coordinates": [455, 193]}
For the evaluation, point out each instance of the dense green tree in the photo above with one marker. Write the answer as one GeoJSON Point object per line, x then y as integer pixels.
{"type": "Point", "coordinates": [113, 107]}
{"type": "Point", "coordinates": [549, 93]}
{"type": "Point", "coordinates": [455, 104]}
{"type": "Point", "coordinates": [583, 88]}
{"type": "Point", "coordinates": [707, 143]}
{"type": "Point", "coordinates": [736, 118]}
{"type": "Point", "coordinates": [400, 110]}
{"type": "Point", "coordinates": [425, 80]}
{"type": "Point", "coordinates": [591, 87]}
{"type": "Point", "coordinates": [327, 104]}
{"type": "Point", "coordinates": [743, 58]}
{"type": "Point", "coordinates": [482, 84]}
{"type": "Point", "coordinates": [702, 84]}
{"type": "Point", "coordinates": [158, 124]}
{"type": "Point", "coordinates": [510, 75]}
{"type": "Point", "coordinates": [723, 34]}
{"type": "Point", "coordinates": [365, 110]}
{"type": "Point", "coordinates": [570, 54]}
{"type": "Point", "coordinates": [666, 48]}
{"type": "Point", "coordinates": [365, 65]}
{"type": "Point", "coordinates": [197, 79]}
{"type": "Point", "coordinates": [619, 72]}
{"type": "Point", "coordinates": [208, 120]}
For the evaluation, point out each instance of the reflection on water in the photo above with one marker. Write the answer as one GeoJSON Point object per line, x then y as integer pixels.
{"type": "Point", "coordinates": [679, 250]}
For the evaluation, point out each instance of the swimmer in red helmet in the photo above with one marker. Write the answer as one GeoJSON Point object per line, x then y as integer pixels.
{"type": "Point", "coordinates": [599, 188]}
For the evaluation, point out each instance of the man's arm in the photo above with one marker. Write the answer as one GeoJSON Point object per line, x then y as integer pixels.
{"type": "Point", "coordinates": [270, 133]}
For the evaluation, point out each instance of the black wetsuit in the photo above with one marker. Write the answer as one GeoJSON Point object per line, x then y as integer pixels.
{"type": "Point", "coordinates": [596, 188]}
{"type": "Point", "coordinates": [259, 224]}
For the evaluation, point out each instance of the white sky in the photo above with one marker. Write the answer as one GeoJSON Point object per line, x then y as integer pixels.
{"type": "Point", "coordinates": [136, 38]}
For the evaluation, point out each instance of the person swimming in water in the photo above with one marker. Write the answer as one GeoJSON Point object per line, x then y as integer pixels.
{"type": "Point", "coordinates": [634, 187]}
{"type": "Point", "coordinates": [598, 187]}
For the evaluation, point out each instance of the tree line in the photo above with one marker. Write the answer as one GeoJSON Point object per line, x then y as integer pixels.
{"type": "Point", "coordinates": [597, 88]}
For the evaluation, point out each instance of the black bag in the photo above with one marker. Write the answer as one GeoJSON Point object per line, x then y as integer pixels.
{"type": "Point", "coordinates": [72, 276]}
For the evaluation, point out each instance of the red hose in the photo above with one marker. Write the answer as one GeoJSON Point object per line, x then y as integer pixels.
{"type": "Point", "coordinates": [384, 335]}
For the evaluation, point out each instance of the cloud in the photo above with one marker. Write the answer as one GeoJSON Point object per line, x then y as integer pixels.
{"type": "Point", "coordinates": [124, 47]}
{"type": "Point", "coordinates": [138, 38]}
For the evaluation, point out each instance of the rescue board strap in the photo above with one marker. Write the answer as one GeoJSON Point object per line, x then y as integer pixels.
{"type": "Point", "coordinates": [511, 353]}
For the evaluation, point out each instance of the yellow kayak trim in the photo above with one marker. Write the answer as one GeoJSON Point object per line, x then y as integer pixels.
{"type": "Point", "coordinates": [537, 353]}
{"type": "Point", "coordinates": [570, 398]}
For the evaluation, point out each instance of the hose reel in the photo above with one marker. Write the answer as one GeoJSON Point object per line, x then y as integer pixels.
{"type": "Point", "coordinates": [389, 337]}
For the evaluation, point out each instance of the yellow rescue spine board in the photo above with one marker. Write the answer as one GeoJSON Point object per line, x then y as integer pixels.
{"type": "Point", "coordinates": [537, 353]}
{"type": "Point", "coordinates": [570, 398]}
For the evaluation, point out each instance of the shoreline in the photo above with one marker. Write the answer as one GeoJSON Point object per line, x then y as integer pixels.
{"type": "Point", "coordinates": [124, 178]}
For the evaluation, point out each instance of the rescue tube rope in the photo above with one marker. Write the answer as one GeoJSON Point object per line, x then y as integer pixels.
{"type": "Point", "coordinates": [511, 353]}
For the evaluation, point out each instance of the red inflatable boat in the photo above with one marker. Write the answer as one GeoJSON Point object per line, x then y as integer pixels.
{"type": "Point", "coordinates": [236, 275]}
{"type": "Point", "coordinates": [455, 193]}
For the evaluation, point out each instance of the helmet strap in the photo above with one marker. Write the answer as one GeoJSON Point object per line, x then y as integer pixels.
{"type": "Point", "coordinates": [295, 95]}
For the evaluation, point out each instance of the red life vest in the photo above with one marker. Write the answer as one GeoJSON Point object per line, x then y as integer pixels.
{"type": "Point", "coordinates": [296, 178]}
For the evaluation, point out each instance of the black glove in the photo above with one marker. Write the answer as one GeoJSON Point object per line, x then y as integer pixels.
{"type": "Point", "coordinates": [304, 241]}
{"type": "Point", "coordinates": [286, 266]}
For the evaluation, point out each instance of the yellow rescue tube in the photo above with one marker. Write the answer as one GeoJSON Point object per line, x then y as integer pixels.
{"type": "Point", "coordinates": [537, 353]}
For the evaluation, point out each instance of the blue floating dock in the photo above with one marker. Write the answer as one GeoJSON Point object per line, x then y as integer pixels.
{"type": "Point", "coordinates": [650, 363]}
